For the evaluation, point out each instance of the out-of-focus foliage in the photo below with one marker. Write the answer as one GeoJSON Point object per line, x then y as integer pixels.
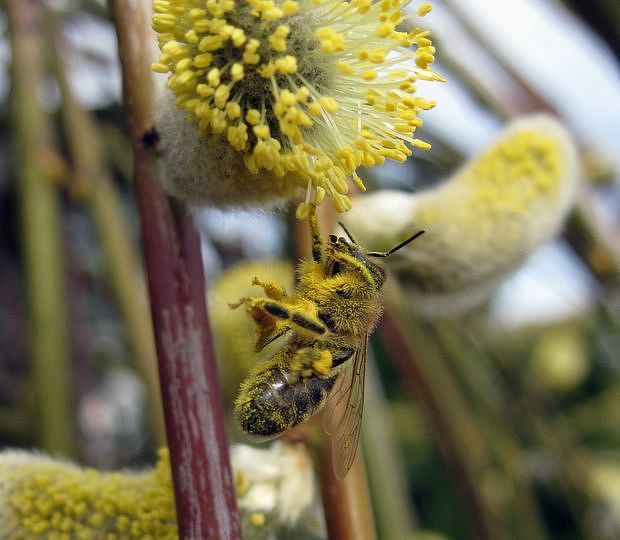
{"type": "Point", "coordinates": [518, 431]}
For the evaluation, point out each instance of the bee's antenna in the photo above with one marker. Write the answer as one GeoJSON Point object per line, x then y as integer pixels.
{"type": "Point", "coordinates": [346, 232]}
{"type": "Point", "coordinates": [395, 248]}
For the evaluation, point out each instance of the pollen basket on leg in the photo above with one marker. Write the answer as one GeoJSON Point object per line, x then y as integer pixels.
{"type": "Point", "coordinates": [307, 90]}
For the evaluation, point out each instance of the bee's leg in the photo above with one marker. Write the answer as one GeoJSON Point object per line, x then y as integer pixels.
{"type": "Point", "coordinates": [309, 361]}
{"type": "Point", "coordinates": [341, 355]}
{"type": "Point", "coordinates": [271, 319]}
{"type": "Point", "coordinates": [302, 321]}
{"type": "Point", "coordinates": [272, 290]}
{"type": "Point", "coordinates": [317, 245]}
{"type": "Point", "coordinates": [274, 318]}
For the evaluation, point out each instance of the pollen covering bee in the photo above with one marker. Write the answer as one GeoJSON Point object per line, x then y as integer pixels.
{"type": "Point", "coordinates": [335, 306]}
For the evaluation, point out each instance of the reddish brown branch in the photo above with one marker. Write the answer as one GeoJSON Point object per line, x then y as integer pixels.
{"type": "Point", "coordinates": [204, 491]}
{"type": "Point", "coordinates": [348, 510]}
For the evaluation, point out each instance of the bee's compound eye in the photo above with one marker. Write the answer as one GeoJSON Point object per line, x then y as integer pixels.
{"type": "Point", "coordinates": [333, 238]}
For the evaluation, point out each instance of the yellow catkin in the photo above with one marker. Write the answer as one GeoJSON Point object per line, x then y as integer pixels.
{"type": "Point", "coordinates": [483, 221]}
{"type": "Point", "coordinates": [50, 499]}
{"type": "Point", "coordinates": [285, 76]}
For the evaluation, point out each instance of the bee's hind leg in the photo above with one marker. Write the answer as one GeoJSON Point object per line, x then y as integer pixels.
{"type": "Point", "coordinates": [309, 361]}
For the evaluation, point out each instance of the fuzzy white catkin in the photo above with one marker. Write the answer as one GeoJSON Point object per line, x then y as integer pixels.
{"type": "Point", "coordinates": [481, 223]}
{"type": "Point", "coordinates": [207, 171]}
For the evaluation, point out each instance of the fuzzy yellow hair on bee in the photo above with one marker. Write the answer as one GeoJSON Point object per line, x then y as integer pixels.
{"type": "Point", "coordinates": [327, 320]}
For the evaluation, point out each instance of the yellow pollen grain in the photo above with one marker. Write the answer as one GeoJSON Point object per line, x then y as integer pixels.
{"type": "Point", "coordinates": [323, 365]}
{"type": "Point", "coordinates": [424, 9]}
{"type": "Point", "coordinates": [369, 75]}
{"type": "Point", "coordinates": [344, 68]}
{"type": "Point", "coordinates": [213, 77]}
{"type": "Point", "coordinates": [238, 37]}
{"type": "Point", "coordinates": [329, 104]}
{"type": "Point", "coordinates": [330, 40]}
{"type": "Point", "coordinates": [221, 96]}
{"type": "Point", "coordinates": [237, 72]}
{"type": "Point", "coordinates": [421, 144]}
{"type": "Point", "coordinates": [385, 29]}
{"type": "Point", "coordinates": [257, 519]}
{"type": "Point", "coordinates": [253, 117]}
{"type": "Point", "coordinates": [267, 70]}
{"type": "Point", "coordinates": [250, 56]}
{"type": "Point", "coordinates": [210, 43]}
{"type": "Point", "coordinates": [303, 211]}
{"type": "Point", "coordinates": [203, 60]}
{"type": "Point", "coordinates": [204, 91]}
{"type": "Point", "coordinates": [315, 109]}
{"type": "Point", "coordinates": [286, 64]}
{"type": "Point", "coordinates": [262, 131]}
{"type": "Point", "coordinates": [302, 94]}
{"type": "Point", "coordinates": [277, 40]}
{"type": "Point", "coordinates": [159, 68]}
{"type": "Point", "coordinates": [378, 56]}
{"type": "Point", "coordinates": [341, 203]}
{"type": "Point", "coordinates": [290, 7]}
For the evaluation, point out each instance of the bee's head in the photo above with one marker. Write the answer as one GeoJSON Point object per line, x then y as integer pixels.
{"type": "Point", "coordinates": [355, 256]}
{"type": "Point", "coordinates": [350, 246]}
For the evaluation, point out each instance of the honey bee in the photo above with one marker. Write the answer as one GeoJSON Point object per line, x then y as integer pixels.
{"type": "Point", "coordinates": [336, 304]}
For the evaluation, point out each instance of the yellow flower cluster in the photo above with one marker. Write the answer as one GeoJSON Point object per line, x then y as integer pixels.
{"type": "Point", "coordinates": [306, 91]}
{"type": "Point", "coordinates": [43, 498]}
{"type": "Point", "coordinates": [47, 499]}
{"type": "Point", "coordinates": [482, 222]}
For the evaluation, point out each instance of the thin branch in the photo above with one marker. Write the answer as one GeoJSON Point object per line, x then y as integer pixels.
{"type": "Point", "coordinates": [346, 502]}
{"type": "Point", "coordinates": [40, 227]}
{"type": "Point", "coordinates": [204, 491]}
{"type": "Point", "coordinates": [92, 180]}
{"type": "Point", "coordinates": [446, 416]}
{"type": "Point", "coordinates": [386, 471]}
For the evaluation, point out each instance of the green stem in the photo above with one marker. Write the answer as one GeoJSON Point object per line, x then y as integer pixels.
{"type": "Point", "coordinates": [40, 225]}
{"type": "Point", "coordinates": [386, 472]}
{"type": "Point", "coordinates": [91, 179]}
{"type": "Point", "coordinates": [473, 370]}
{"type": "Point", "coordinates": [16, 424]}
{"type": "Point", "coordinates": [456, 432]}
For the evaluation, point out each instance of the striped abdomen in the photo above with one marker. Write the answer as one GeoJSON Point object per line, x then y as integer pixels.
{"type": "Point", "coordinates": [269, 404]}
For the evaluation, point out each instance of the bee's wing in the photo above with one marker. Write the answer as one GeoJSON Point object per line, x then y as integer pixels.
{"type": "Point", "coordinates": [343, 418]}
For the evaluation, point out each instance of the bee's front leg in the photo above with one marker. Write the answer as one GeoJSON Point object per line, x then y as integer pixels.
{"type": "Point", "coordinates": [269, 319]}
{"type": "Point", "coordinates": [272, 290]}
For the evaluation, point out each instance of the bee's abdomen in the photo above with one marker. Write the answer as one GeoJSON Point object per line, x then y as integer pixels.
{"type": "Point", "coordinates": [269, 404]}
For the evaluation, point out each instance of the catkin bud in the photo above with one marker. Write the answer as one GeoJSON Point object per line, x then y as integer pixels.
{"type": "Point", "coordinates": [481, 223]}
